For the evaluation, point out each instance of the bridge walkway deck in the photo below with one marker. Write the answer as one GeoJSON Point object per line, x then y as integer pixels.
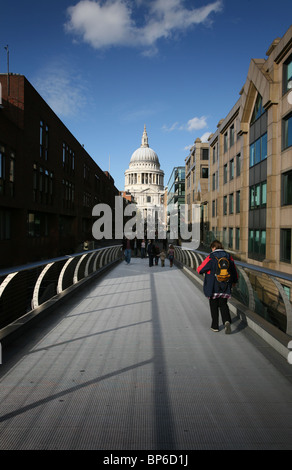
{"type": "Point", "coordinates": [130, 363]}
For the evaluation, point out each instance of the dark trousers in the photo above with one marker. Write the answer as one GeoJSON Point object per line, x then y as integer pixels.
{"type": "Point", "coordinates": [219, 304]}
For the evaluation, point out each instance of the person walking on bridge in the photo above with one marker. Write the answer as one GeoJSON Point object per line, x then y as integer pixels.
{"type": "Point", "coordinates": [218, 284]}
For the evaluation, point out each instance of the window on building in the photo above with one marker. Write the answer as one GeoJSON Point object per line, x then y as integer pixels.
{"type": "Point", "coordinates": [237, 238]}
{"type": "Point", "coordinates": [258, 150]}
{"type": "Point", "coordinates": [285, 245]}
{"type": "Point", "coordinates": [258, 109]}
{"type": "Point", "coordinates": [225, 205]}
{"type": "Point", "coordinates": [214, 154]}
{"type": "Point", "coordinates": [231, 203]}
{"type": "Point", "coordinates": [37, 224]}
{"type": "Point", "coordinates": [225, 173]}
{"type": "Point", "coordinates": [237, 203]}
{"type": "Point", "coordinates": [238, 164]}
{"type": "Point", "coordinates": [231, 135]}
{"type": "Point", "coordinates": [44, 140]}
{"type": "Point", "coordinates": [287, 132]}
{"type": "Point", "coordinates": [231, 169]}
{"type": "Point", "coordinates": [287, 75]}
{"type": "Point", "coordinates": [257, 243]}
{"type": "Point", "coordinates": [214, 208]}
{"type": "Point", "coordinates": [213, 181]}
{"type": "Point", "coordinates": [287, 188]}
{"type": "Point", "coordinates": [258, 195]}
{"type": "Point", "coordinates": [225, 142]}
{"type": "Point", "coordinates": [204, 172]}
{"type": "Point", "coordinates": [205, 154]}
{"type": "Point", "coordinates": [230, 241]}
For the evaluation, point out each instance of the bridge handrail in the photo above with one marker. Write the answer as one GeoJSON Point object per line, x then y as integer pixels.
{"type": "Point", "coordinates": [36, 264]}
{"type": "Point", "coordinates": [25, 288]}
{"type": "Point", "coordinates": [254, 267]}
{"type": "Point", "coordinates": [251, 295]}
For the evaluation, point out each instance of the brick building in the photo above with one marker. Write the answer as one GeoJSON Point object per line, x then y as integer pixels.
{"type": "Point", "coordinates": [48, 182]}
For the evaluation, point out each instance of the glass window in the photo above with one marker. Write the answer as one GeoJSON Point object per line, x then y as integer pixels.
{"type": "Point", "coordinates": [252, 155]}
{"type": "Point", "coordinates": [205, 172]}
{"type": "Point", "coordinates": [257, 151]}
{"type": "Point", "coordinates": [264, 194]}
{"type": "Point", "coordinates": [231, 203]}
{"type": "Point", "coordinates": [225, 174]}
{"type": "Point", "coordinates": [287, 132]}
{"type": "Point", "coordinates": [237, 202]}
{"type": "Point", "coordinates": [213, 181]}
{"type": "Point", "coordinates": [225, 205]}
{"type": "Point", "coordinates": [250, 241]}
{"type": "Point", "coordinates": [257, 196]}
{"type": "Point", "coordinates": [238, 164]}
{"type": "Point", "coordinates": [258, 109]}
{"type": "Point", "coordinates": [231, 169]}
{"type": "Point", "coordinates": [225, 142]}
{"type": "Point", "coordinates": [287, 188]}
{"type": "Point", "coordinates": [231, 135]}
{"type": "Point", "coordinates": [264, 146]}
{"type": "Point", "coordinates": [257, 243]}
{"type": "Point", "coordinates": [287, 75]}
{"type": "Point", "coordinates": [237, 238]}
{"type": "Point", "coordinates": [285, 245]}
{"type": "Point", "coordinates": [230, 244]}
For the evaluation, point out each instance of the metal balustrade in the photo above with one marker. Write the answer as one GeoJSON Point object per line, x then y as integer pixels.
{"type": "Point", "coordinates": [262, 291]}
{"type": "Point", "coordinates": [23, 290]}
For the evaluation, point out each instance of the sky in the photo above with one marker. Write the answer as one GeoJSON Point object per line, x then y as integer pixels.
{"type": "Point", "coordinates": [109, 67]}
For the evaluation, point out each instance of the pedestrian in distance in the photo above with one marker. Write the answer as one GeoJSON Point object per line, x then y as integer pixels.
{"type": "Point", "coordinates": [162, 258]}
{"type": "Point", "coordinates": [151, 252]}
{"type": "Point", "coordinates": [143, 249]}
{"type": "Point", "coordinates": [156, 249]}
{"type": "Point", "coordinates": [127, 250]}
{"type": "Point", "coordinates": [171, 255]}
{"type": "Point", "coordinates": [220, 275]}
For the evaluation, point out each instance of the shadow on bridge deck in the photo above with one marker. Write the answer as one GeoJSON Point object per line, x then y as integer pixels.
{"type": "Point", "coordinates": [130, 363]}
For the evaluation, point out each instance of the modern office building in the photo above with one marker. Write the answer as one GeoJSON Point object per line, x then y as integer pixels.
{"type": "Point", "coordinates": [48, 182]}
{"type": "Point", "coordinates": [249, 196]}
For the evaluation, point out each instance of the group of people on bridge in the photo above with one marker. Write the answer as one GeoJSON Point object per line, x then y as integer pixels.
{"type": "Point", "coordinates": [218, 267]}
{"type": "Point", "coordinates": [153, 249]}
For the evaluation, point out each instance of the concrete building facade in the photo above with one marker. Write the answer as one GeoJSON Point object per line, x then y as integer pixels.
{"type": "Point", "coordinates": [249, 195]}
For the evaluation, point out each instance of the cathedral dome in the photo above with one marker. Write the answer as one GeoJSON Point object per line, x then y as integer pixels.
{"type": "Point", "coordinates": [144, 154]}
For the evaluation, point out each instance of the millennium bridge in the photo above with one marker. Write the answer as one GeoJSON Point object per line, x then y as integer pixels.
{"type": "Point", "coordinates": [97, 354]}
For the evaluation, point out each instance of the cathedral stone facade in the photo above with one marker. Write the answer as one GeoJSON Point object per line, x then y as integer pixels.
{"type": "Point", "coordinates": [144, 179]}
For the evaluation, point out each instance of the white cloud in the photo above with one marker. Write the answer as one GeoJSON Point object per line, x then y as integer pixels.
{"type": "Point", "coordinates": [113, 22]}
{"type": "Point", "coordinates": [196, 123]}
{"type": "Point", "coordinates": [171, 128]}
{"type": "Point", "coordinates": [62, 90]}
{"type": "Point", "coordinates": [193, 124]}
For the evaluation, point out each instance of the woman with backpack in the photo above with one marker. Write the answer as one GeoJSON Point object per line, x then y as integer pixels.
{"type": "Point", "coordinates": [220, 274]}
